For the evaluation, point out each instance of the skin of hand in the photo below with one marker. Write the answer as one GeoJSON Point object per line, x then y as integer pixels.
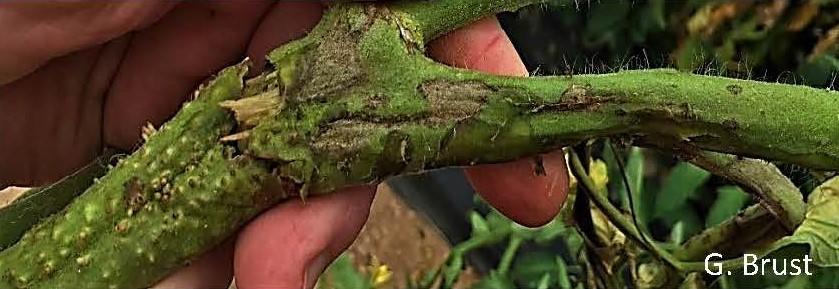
{"type": "Point", "coordinates": [76, 76]}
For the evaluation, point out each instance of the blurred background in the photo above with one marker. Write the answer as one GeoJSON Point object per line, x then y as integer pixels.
{"type": "Point", "coordinates": [430, 231]}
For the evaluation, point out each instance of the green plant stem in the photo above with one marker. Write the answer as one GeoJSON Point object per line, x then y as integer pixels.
{"type": "Point", "coordinates": [454, 262]}
{"type": "Point", "coordinates": [473, 243]}
{"type": "Point", "coordinates": [416, 114]}
{"type": "Point", "coordinates": [781, 207]}
{"type": "Point", "coordinates": [624, 224]}
{"type": "Point", "coordinates": [562, 274]}
{"type": "Point", "coordinates": [753, 225]}
{"type": "Point", "coordinates": [760, 178]}
{"type": "Point", "coordinates": [509, 254]}
{"type": "Point", "coordinates": [617, 218]}
{"type": "Point", "coordinates": [389, 110]}
{"type": "Point", "coordinates": [177, 197]}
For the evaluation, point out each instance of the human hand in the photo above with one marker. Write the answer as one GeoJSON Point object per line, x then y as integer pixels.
{"type": "Point", "coordinates": [75, 78]}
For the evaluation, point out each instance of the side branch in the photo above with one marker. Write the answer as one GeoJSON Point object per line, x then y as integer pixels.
{"type": "Point", "coordinates": [754, 225]}
{"type": "Point", "coordinates": [774, 190]}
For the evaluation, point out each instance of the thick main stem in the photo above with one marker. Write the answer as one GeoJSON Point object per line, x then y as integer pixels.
{"type": "Point", "coordinates": [178, 196]}
{"type": "Point", "coordinates": [789, 123]}
{"type": "Point", "coordinates": [455, 117]}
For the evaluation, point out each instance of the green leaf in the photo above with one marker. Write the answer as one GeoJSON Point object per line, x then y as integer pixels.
{"type": "Point", "coordinates": [820, 70]}
{"type": "Point", "coordinates": [452, 270]}
{"type": "Point", "coordinates": [693, 54]}
{"type": "Point", "coordinates": [551, 231]}
{"type": "Point", "coordinates": [530, 266]}
{"type": "Point", "coordinates": [688, 224]}
{"type": "Point", "coordinates": [730, 199]}
{"type": "Point", "coordinates": [682, 182]}
{"type": "Point", "coordinates": [604, 18]}
{"type": "Point", "coordinates": [496, 221]}
{"type": "Point", "coordinates": [820, 229]}
{"type": "Point", "coordinates": [641, 199]}
{"type": "Point", "coordinates": [797, 282]}
{"type": "Point", "coordinates": [825, 278]}
{"type": "Point", "coordinates": [562, 274]}
{"type": "Point", "coordinates": [40, 203]}
{"type": "Point", "coordinates": [479, 225]}
{"type": "Point", "coordinates": [545, 281]}
{"type": "Point", "coordinates": [677, 233]}
{"type": "Point", "coordinates": [342, 274]}
{"type": "Point", "coordinates": [494, 281]}
{"type": "Point", "coordinates": [635, 169]}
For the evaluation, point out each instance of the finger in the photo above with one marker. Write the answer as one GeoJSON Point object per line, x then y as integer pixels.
{"type": "Point", "coordinates": [482, 46]}
{"type": "Point", "coordinates": [213, 269]}
{"type": "Point", "coordinates": [169, 59]}
{"type": "Point", "coordinates": [519, 192]}
{"type": "Point", "coordinates": [61, 106]}
{"type": "Point", "coordinates": [514, 188]}
{"type": "Point", "coordinates": [40, 31]}
{"type": "Point", "coordinates": [291, 244]}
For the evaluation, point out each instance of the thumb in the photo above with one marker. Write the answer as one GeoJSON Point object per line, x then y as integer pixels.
{"type": "Point", "coordinates": [291, 244]}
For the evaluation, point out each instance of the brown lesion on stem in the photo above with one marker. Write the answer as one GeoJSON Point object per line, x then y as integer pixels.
{"type": "Point", "coordinates": [454, 101]}
{"type": "Point", "coordinates": [581, 96]}
{"type": "Point", "coordinates": [344, 137]}
{"type": "Point", "coordinates": [577, 97]}
{"type": "Point", "coordinates": [334, 65]}
{"type": "Point", "coordinates": [677, 126]}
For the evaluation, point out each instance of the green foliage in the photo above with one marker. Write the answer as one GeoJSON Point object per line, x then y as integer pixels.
{"type": "Point", "coordinates": [784, 41]}
{"type": "Point", "coordinates": [540, 268]}
{"type": "Point", "coordinates": [680, 188]}
{"type": "Point", "coordinates": [40, 203]}
{"type": "Point", "coordinates": [494, 280]}
{"type": "Point", "coordinates": [820, 229]}
{"type": "Point", "coordinates": [822, 69]}
{"type": "Point", "coordinates": [730, 199]}
{"type": "Point", "coordinates": [680, 185]}
{"type": "Point", "coordinates": [634, 176]}
{"type": "Point", "coordinates": [342, 274]}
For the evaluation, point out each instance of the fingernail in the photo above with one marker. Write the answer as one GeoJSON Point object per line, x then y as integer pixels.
{"type": "Point", "coordinates": [315, 268]}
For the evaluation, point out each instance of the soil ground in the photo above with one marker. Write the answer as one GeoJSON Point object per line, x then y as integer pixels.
{"type": "Point", "coordinates": [403, 239]}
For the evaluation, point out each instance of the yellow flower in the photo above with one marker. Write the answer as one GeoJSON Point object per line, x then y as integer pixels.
{"type": "Point", "coordinates": [599, 174]}
{"type": "Point", "coordinates": [380, 274]}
